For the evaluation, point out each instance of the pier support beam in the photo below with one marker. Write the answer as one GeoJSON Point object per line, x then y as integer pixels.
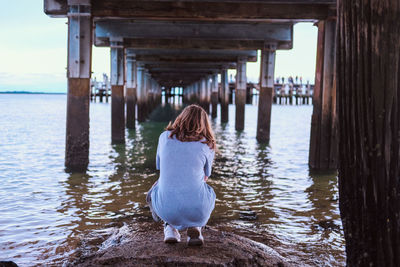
{"type": "Point", "coordinates": [214, 95]}
{"type": "Point", "coordinates": [79, 69]}
{"type": "Point", "coordinates": [323, 140]}
{"type": "Point", "coordinates": [224, 96]}
{"type": "Point", "coordinates": [368, 73]}
{"type": "Point", "coordinates": [131, 85]}
{"type": "Point", "coordinates": [117, 93]}
{"type": "Point", "coordinates": [240, 93]}
{"type": "Point", "coordinates": [266, 90]}
{"type": "Point", "coordinates": [203, 95]}
{"type": "Point", "coordinates": [141, 96]}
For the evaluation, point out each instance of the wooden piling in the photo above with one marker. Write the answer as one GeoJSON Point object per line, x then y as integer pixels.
{"type": "Point", "coordinates": [240, 94]}
{"type": "Point", "coordinates": [224, 96]}
{"type": "Point", "coordinates": [214, 96]}
{"type": "Point", "coordinates": [131, 92]}
{"type": "Point", "coordinates": [78, 99]}
{"type": "Point", "coordinates": [323, 140]}
{"type": "Point", "coordinates": [117, 93]}
{"type": "Point", "coordinates": [267, 68]}
{"type": "Point", "coordinates": [368, 70]}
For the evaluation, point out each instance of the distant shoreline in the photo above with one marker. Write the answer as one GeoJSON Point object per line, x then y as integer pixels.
{"type": "Point", "coordinates": [31, 93]}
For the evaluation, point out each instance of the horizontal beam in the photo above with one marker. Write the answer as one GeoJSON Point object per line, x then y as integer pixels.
{"type": "Point", "coordinates": [223, 10]}
{"type": "Point", "coordinates": [192, 44]}
{"type": "Point", "coordinates": [191, 52]}
{"type": "Point", "coordinates": [142, 29]}
{"type": "Point", "coordinates": [180, 72]}
{"type": "Point", "coordinates": [188, 65]}
{"type": "Point", "coordinates": [193, 58]}
{"type": "Point", "coordinates": [191, 55]}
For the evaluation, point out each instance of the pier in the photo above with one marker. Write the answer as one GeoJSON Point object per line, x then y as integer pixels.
{"type": "Point", "coordinates": [158, 45]}
{"type": "Point", "coordinates": [154, 51]}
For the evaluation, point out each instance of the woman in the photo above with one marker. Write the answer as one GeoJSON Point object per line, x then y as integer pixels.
{"type": "Point", "coordinates": [181, 197]}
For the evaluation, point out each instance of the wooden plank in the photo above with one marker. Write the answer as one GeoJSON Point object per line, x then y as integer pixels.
{"type": "Point", "coordinates": [239, 10]}
{"type": "Point", "coordinates": [216, 10]}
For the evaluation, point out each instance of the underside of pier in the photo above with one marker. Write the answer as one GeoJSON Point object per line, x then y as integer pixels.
{"type": "Point", "coordinates": [157, 45]}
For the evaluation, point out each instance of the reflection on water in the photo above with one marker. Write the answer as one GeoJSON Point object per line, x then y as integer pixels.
{"type": "Point", "coordinates": [263, 192]}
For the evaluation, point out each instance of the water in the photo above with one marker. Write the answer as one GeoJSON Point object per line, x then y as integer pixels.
{"type": "Point", "coordinates": [263, 192]}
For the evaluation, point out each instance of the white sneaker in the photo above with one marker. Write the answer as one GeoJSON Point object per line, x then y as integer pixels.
{"type": "Point", "coordinates": [195, 238]}
{"type": "Point", "coordinates": [171, 235]}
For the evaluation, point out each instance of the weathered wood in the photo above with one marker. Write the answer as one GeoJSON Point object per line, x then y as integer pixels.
{"type": "Point", "coordinates": [240, 94]}
{"type": "Point", "coordinates": [117, 94]}
{"type": "Point", "coordinates": [211, 10]}
{"type": "Point", "coordinates": [369, 123]}
{"type": "Point", "coordinates": [224, 96]}
{"type": "Point", "coordinates": [323, 139]}
{"type": "Point", "coordinates": [267, 68]}
{"type": "Point", "coordinates": [77, 132]}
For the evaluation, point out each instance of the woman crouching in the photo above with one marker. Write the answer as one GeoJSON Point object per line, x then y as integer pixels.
{"type": "Point", "coordinates": [181, 197]}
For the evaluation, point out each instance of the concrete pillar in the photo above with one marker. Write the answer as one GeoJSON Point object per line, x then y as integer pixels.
{"type": "Point", "coordinates": [240, 93]}
{"type": "Point", "coordinates": [267, 68]}
{"type": "Point", "coordinates": [131, 85]}
{"type": "Point", "coordinates": [224, 96]}
{"type": "Point", "coordinates": [323, 140]}
{"type": "Point", "coordinates": [214, 95]}
{"type": "Point", "coordinates": [79, 70]}
{"type": "Point", "coordinates": [117, 93]}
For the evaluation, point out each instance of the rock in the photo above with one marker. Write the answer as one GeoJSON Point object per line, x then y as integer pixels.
{"type": "Point", "coordinates": [145, 247]}
{"type": "Point", "coordinates": [8, 264]}
{"type": "Point", "coordinates": [248, 215]}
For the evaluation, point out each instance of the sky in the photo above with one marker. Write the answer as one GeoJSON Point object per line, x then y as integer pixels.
{"type": "Point", "coordinates": [33, 51]}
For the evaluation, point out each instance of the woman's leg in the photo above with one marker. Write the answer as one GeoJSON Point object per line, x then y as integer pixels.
{"type": "Point", "coordinates": [148, 200]}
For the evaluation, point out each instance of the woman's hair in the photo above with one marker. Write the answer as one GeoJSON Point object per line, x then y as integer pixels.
{"type": "Point", "coordinates": [192, 125]}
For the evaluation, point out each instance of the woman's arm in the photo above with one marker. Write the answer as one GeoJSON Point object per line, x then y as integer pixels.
{"type": "Point", "coordinates": [205, 178]}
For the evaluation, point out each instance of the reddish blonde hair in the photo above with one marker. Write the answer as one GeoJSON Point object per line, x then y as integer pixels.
{"type": "Point", "coordinates": [192, 125]}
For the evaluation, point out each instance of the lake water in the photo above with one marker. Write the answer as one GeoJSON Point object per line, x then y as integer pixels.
{"type": "Point", "coordinates": [263, 192]}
